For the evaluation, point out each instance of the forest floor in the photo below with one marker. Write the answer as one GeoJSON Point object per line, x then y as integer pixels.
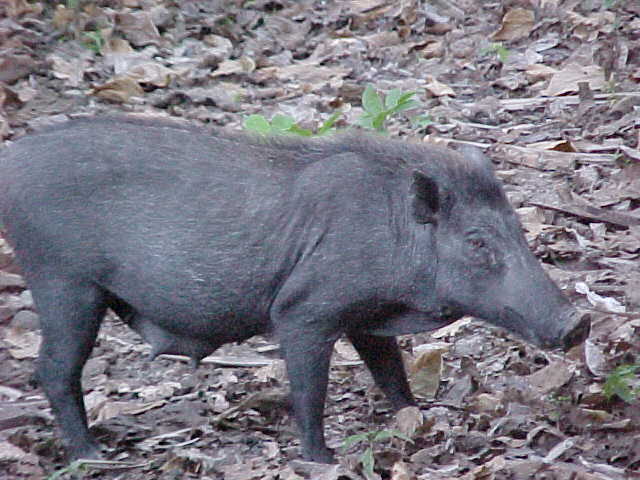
{"type": "Point", "coordinates": [549, 89]}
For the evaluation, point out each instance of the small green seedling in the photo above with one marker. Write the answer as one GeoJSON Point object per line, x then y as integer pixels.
{"type": "Point", "coordinates": [93, 41]}
{"type": "Point", "coordinates": [377, 109]}
{"type": "Point", "coordinates": [500, 50]}
{"type": "Point", "coordinates": [422, 121]}
{"type": "Point", "coordinates": [370, 439]}
{"type": "Point", "coordinates": [623, 382]}
{"type": "Point", "coordinates": [284, 124]}
{"type": "Point", "coordinates": [74, 468]}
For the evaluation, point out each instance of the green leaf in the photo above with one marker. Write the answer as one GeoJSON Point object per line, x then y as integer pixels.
{"type": "Point", "coordinates": [620, 383]}
{"type": "Point", "coordinates": [354, 439]}
{"type": "Point", "coordinates": [405, 97]}
{"type": "Point", "coordinates": [378, 121]}
{"type": "Point", "coordinates": [368, 462]}
{"type": "Point", "coordinates": [383, 435]}
{"type": "Point", "coordinates": [371, 101]}
{"type": "Point", "coordinates": [303, 132]}
{"type": "Point", "coordinates": [257, 124]}
{"type": "Point", "coordinates": [327, 125]}
{"type": "Point", "coordinates": [393, 98]}
{"type": "Point", "coordinates": [405, 106]}
{"type": "Point", "coordinates": [365, 121]}
{"type": "Point", "coordinates": [422, 121]}
{"type": "Point", "coordinates": [281, 122]}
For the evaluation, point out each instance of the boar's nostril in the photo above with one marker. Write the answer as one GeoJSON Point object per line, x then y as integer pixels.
{"type": "Point", "coordinates": [578, 333]}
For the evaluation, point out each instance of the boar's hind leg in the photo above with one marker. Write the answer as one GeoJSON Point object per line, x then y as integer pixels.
{"type": "Point", "coordinates": [70, 316]}
{"type": "Point", "coordinates": [383, 358]}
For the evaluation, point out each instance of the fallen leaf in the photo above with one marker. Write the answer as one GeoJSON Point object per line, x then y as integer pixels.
{"type": "Point", "coordinates": [400, 471]}
{"type": "Point", "coordinates": [595, 359]}
{"type": "Point", "coordinates": [438, 89]}
{"type": "Point", "coordinates": [556, 145]}
{"type": "Point", "coordinates": [516, 24]}
{"type": "Point", "coordinates": [71, 69]}
{"type": "Point", "coordinates": [551, 377]}
{"type": "Point", "coordinates": [537, 72]}
{"type": "Point", "coordinates": [409, 420]}
{"type": "Point", "coordinates": [17, 8]}
{"type": "Point", "coordinates": [14, 66]}
{"type": "Point", "coordinates": [425, 372]}
{"type": "Point", "coordinates": [452, 329]}
{"type": "Point", "coordinates": [152, 73]}
{"type": "Point", "coordinates": [229, 67]}
{"type": "Point", "coordinates": [567, 79]}
{"type": "Point", "coordinates": [23, 344]}
{"type": "Point", "coordinates": [119, 89]}
{"type": "Point", "coordinates": [605, 303]}
{"type": "Point", "coordinates": [138, 28]}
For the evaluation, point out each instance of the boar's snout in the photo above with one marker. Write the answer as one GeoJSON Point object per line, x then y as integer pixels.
{"type": "Point", "coordinates": [577, 330]}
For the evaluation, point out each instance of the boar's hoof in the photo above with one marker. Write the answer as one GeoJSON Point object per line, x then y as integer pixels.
{"type": "Point", "coordinates": [578, 332]}
{"type": "Point", "coordinates": [86, 451]}
{"type": "Point", "coordinates": [320, 455]}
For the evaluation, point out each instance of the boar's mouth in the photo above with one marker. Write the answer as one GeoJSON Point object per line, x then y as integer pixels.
{"type": "Point", "coordinates": [576, 329]}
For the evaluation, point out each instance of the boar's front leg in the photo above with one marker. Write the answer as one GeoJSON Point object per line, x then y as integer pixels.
{"type": "Point", "coordinates": [70, 316]}
{"type": "Point", "coordinates": [383, 358]}
{"type": "Point", "coordinates": [307, 353]}
{"type": "Point", "coordinates": [306, 329]}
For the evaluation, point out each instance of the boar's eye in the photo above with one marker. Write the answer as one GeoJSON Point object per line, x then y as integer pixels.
{"type": "Point", "coordinates": [477, 243]}
{"type": "Point", "coordinates": [480, 251]}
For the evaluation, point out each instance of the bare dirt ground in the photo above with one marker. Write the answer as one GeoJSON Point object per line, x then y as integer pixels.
{"type": "Point", "coordinates": [550, 89]}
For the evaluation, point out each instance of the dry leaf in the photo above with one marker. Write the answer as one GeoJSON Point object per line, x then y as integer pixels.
{"type": "Point", "coordinates": [23, 344]}
{"type": "Point", "coordinates": [551, 377]}
{"type": "Point", "coordinates": [138, 27]}
{"type": "Point", "coordinates": [152, 73]}
{"type": "Point", "coordinates": [438, 89]}
{"type": "Point", "coordinates": [71, 69]}
{"type": "Point", "coordinates": [426, 371]}
{"type": "Point", "coordinates": [452, 329]}
{"type": "Point", "coordinates": [301, 72]}
{"type": "Point", "coordinates": [154, 392]}
{"type": "Point", "coordinates": [14, 66]}
{"type": "Point", "coordinates": [533, 220]}
{"type": "Point", "coordinates": [567, 79]}
{"type": "Point", "coordinates": [110, 409]}
{"type": "Point", "coordinates": [595, 359]}
{"type": "Point", "coordinates": [228, 67]}
{"type": "Point", "coordinates": [409, 420]}
{"type": "Point", "coordinates": [17, 8]}
{"type": "Point", "coordinates": [555, 145]}
{"type": "Point", "coordinates": [516, 24]}
{"type": "Point", "coordinates": [487, 402]}
{"type": "Point", "coordinates": [538, 72]}
{"type": "Point", "coordinates": [62, 17]}
{"type": "Point", "coordinates": [401, 471]}
{"type": "Point", "coordinates": [604, 303]}
{"type": "Point", "coordinates": [345, 350]}
{"type": "Point", "coordinates": [119, 89]}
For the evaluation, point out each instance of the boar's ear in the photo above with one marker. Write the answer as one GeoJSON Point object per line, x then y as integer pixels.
{"type": "Point", "coordinates": [425, 198]}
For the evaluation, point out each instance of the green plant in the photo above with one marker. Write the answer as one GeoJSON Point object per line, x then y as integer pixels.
{"type": "Point", "coordinates": [500, 50]}
{"type": "Point", "coordinates": [377, 109]}
{"type": "Point", "coordinates": [623, 382]}
{"type": "Point", "coordinates": [283, 124]}
{"type": "Point", "coordinates": [422, 121]}
{"type": "Point", "coordinates": [73, 468]}
{"type": "Point", "coordinates": [93, 41]}
{"type": "Point", "coordinates": [370, 439]}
